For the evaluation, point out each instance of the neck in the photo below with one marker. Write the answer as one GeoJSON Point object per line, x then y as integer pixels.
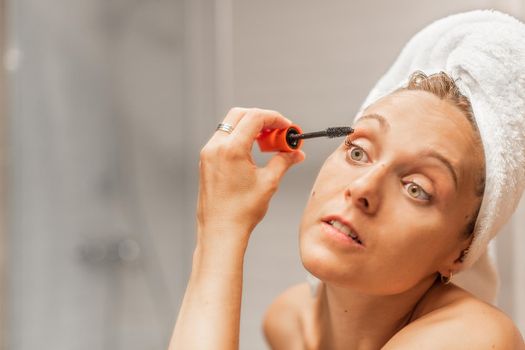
{"type": "Point", "coordinates": [353, 320]}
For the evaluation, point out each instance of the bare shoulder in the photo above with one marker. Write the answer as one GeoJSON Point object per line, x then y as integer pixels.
{"type": "Point", "coordinates": [459, 322]}
{"type": "Point", "coordinates": [282, 324]}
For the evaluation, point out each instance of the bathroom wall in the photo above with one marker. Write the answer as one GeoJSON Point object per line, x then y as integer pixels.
{"type": "Point", "coordinates": [109, 105]}
{"type": "Point", "coordinates": [3, 228]}
{"type": "Point", "coordinates": [98, 223]}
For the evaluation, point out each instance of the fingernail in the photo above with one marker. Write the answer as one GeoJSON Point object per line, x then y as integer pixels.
{"type": "Point", "coordinates": [298, 156]}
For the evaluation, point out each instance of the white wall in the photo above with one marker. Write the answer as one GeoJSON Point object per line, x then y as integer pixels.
{"type": "Point", "coordinates": [98, 228]}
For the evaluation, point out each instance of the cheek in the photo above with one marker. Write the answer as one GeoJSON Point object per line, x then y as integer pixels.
{"type": "Point", "coordinates": [418, 230]}
{"type": "Point", "coordinates": [326, 185]}
{"type": "Point", "coordinates": [333, 174]}
{"type": "Point", "coordinates": [406, 247]}
{"type": "Point", "coordinates": [420, 244]}
{"type": "Point", "coordinates": [326, 197]}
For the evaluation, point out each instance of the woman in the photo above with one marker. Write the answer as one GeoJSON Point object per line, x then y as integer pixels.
{"type": "Point", "coordinates": [409, 196]}
{"type": "Point", "coordinates": [392, 216]}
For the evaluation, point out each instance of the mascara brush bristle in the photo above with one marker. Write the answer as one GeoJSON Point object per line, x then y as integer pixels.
{"type": "Point", "coordinates": [339, 131]}
{"type": "Point", "coordinates": [330, 132]}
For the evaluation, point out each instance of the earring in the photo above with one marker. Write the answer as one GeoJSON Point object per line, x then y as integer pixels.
{"type": "Point", "coordinates": [463, 254]}
{"type": "Point", "coordinates": [446, 279]}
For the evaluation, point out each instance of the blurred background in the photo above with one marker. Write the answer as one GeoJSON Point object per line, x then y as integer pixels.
{"type": "Point", "coordinates": [105, 105]}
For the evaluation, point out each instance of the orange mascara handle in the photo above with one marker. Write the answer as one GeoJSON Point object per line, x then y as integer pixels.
{"type": "Point", "coordinates": [278, 140]}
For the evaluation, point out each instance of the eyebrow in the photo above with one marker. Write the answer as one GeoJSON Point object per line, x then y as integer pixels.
{"type": "Point", "coordinates": [385, 126]}
{"type": "Point", "coordinates": [383, 123]}
{"type": "Point", "coordinates": [434, 154]}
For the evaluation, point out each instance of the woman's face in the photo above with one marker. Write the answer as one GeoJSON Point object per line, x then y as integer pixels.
{"type": "Point", "coordinates": [405, 183]}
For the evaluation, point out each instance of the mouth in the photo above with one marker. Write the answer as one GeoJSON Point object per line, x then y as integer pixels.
{"type": "Point", "coordinates": [345, 228]}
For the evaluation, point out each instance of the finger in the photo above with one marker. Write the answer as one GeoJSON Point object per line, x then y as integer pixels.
{"type": "Point", "coordinates": [254, 121]}
{"type": "Point", "coordinates": [280, 163]}
{"type": "Point", "coordinates": [232, 117]}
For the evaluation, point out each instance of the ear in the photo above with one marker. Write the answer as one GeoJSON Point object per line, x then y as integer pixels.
{"type": "Point", "coordinates": [454, 261]}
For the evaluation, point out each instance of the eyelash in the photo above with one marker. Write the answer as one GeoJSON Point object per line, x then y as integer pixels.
{"type": "Point", "coordinates": [348, 145]}
{"type": "Point", "coordinates": [429, 196]}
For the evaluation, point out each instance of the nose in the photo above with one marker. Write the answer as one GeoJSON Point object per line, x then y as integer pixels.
{"type": "Point", "coordinates": [365, 190]}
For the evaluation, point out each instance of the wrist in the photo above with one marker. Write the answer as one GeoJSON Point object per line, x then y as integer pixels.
{"type": "Point", "coordinates": [219, 253]}
{"type": "Point", "coordinates": [222, 236]}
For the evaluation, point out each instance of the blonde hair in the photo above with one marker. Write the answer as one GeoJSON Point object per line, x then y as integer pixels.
{"type": "Point", "coordinates": [444, 87]}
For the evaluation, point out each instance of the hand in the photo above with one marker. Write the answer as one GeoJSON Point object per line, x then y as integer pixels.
{"type": "Point", "coordinates": [234, 193]}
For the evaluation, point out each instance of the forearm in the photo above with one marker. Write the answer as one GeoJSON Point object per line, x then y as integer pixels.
{"type": "Point", "coordinates": [209, 316]}
{"type": "Point", "coordinates": [234, 195]}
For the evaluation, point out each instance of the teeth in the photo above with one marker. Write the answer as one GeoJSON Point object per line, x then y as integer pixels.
{"type": "Point", "coordinates": [344, 229]}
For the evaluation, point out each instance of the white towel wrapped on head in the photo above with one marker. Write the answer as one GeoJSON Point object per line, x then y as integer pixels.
{"type": "Point", "coordinates": [484, 52]}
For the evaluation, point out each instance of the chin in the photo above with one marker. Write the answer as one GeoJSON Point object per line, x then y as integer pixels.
{"type": "Point", "coordinates": [344, 270]}
{"type": "Point", "coordinates": [313, 255]}
{"type": "Point", "coordinates": [324, 263]}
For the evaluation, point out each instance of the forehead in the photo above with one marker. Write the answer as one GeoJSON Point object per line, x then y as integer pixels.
{"type": "Point", "coordinates": [425, 118]}
{"type": "Point", "coordinates": [418, 120]}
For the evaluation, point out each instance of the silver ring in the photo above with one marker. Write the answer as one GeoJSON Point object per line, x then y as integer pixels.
{"type": "Point", "coordinates": [225, 127]}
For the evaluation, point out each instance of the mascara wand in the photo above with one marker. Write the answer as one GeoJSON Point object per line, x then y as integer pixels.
{"type": "Point", "coordinates": [330, 133]}
{"type": "Point", "coordinates": [291, 138]}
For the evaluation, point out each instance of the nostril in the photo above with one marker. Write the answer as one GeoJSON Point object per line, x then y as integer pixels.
{"type": "Point", "coordinates": [365, 203]}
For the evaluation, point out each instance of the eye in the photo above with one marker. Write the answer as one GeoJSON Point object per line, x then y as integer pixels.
{"type": "Point", "coordinates": [415, 191]}
{"type": "Point", "coordinates": [355, 152]}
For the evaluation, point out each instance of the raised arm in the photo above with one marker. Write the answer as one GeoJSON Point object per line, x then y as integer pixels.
{"type": "Point", "coordinates": [234, 195]}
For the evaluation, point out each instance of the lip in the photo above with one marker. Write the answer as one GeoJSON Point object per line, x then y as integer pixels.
{"type": "Point", "coordinates": [330, 228]}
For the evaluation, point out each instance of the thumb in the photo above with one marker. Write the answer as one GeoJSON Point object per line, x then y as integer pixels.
{"type": "Point", "coordinates": [281, 162]}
